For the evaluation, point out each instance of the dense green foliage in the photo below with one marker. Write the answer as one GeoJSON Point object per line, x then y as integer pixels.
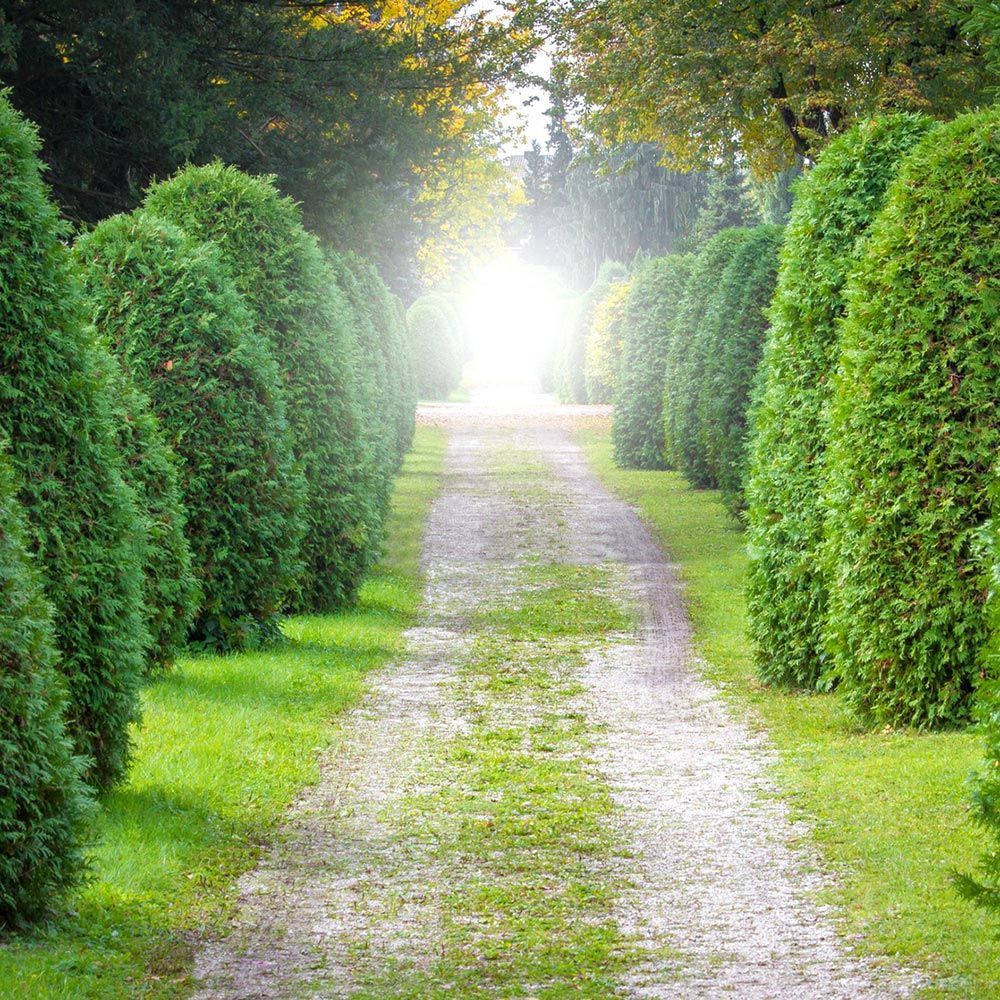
{"type": "Point", "coordinates": [300, 313]}
{"type": "Point", "coordinates": [169, 312]}
{"type": "Point", "coordinates": [686, 356]}
{"type": "Point", "coordinates": [83, 522]}
{"type": "Point", "coordinates": [170, 594]}
{"type": "Point", "coordinates": [657, 289]}
{"type": "Point", "coordinates": [914, 435]}
{"type": "Point", "coordinates": [571, 380]}
{"type": "Point", "coordinates": [603, 353]}
{"type": "Point", "coordinates": [835, 204]}
{"type": "Point", "coordinates": [44, 799]}
{"type": "Point", "coordinates": [732, 338]}
{"type": "Point", "coordinates": [435, 346]}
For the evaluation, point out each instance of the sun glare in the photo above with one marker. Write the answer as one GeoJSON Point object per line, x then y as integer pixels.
{"type": "Point", "coordinates": [512, 312]}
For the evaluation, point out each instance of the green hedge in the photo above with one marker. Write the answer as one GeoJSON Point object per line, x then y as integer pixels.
{"type": "Point", "coordinates": [173, 319]}
{"type": "Point", "coordinates": [299, 312]}
{"type": "Point", "coordinates": [834, 206]}
{"type": "Point", "coordinates": [686, 356]}
{"type": "Point", "coordinates": [602, 357]}
{"type": "Point", "coordinates": [170, 593]}
{"type": "Point", "coordinates": [83, 522]}
{"type": "Point", "coordinates": [435, 347]}
{"type": "Point", "coordinates": [570, 376]}
{"type": "Point", "coordinates": [383, 347]}
{"type": "Point", "coordinates": [44, 800]}
{"type": "Point", "coordinates": [915, 434]}
{"type": "Point", "coordinates": [732, 339]}
{"type": "Point", "coordinates": [637, 426]}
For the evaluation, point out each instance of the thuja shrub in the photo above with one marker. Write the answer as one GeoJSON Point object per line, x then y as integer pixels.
{"type": "Point", "coordinates": [604, 345]}
{"type": "Point", "coordinates": [637, 424]}
{"type": "Point", "coordinates": [299, 313]}
{"type": "Point", "coordinates": [170, 593]}
{"type": "Point", "coordinates": [733, 339]}
{"type": "Point", "coordinates": [686, 356]}
{"type": "Point", "coordinates": [44, 801]}
{"type": "Point", "coordinates": [834, 207]}
{"type": "Point", "coordinates": [83, 521]}
{"type": "Point", "coordinates": [381, 334]}
{"type": "Point", "coordinates": [915, 433]}
{"type": "Point", "coordinates": [435, 348]}
{"type": "Point", "coordinates": [169, 312]}
{"type": "Point", "coordinates": [571, 380]}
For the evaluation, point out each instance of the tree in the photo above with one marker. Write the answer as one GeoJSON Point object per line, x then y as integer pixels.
{"type": "Point", "coordinates": [768, 80]}
{"type": "Point", "coordinates": [171, 315]}
{"type": "Point", "coordinates": [836, 203]}
{"type": "Point", "coordinates": [727, 204]}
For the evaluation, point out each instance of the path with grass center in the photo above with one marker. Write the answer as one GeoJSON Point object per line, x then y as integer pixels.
{"type": "Point", "coordinates": [543, 800]}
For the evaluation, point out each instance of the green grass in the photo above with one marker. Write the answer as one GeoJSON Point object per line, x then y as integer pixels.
{"type": "Point", "coordinates": [888, 808]}
{"type": "Point", "coordinates": [520, 818]}
{"type": "Point", "coordinates": [226, 744]}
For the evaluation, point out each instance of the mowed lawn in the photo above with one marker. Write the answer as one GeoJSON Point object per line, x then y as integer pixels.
{"type": "Point", "coordinates": [225, 745]}
{"type": "Point", "coordinates": [889, 809]}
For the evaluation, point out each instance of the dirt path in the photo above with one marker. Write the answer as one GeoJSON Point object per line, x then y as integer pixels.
{"type": "Point", "coordinates": [709, 890]}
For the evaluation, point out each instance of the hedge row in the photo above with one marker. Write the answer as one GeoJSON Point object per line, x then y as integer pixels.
{"type": "Point", "coordinates": [833, 208]}
{"type": "Point", "coordinates": [603, 350]}
{"type": "Point", "coordinates": [436, 346]}
{"type": "Point", "coordinates": [201, 418]}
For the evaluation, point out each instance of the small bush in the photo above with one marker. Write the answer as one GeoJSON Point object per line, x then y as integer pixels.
{"type": "Point", "coordinates": [435, 348]}
{"type": "Point", "coordinates": [83, 522]}
{"type": "Point", "coordinates": [168, 310]}
{"type": "Point", "coordinates": [686, 357]}
{"type": "Point", "coordinates": [298, 311]}
{"type": "Point", "coordinates": [732, 340]}
{"type": "Point", "coordinates": [637, 427]}
{"type": "Point", "coordinates": [571, 380]}
{"type": "Point", "coordinates": [44, 800]}
{"type": "Point", "coordinates": [833, 208]}
{"type": "Point", "coordinates": [170, 594]}
{"type": "Point", "coordinates": [604, 345]}
{"type": "Point", "coordinates": [915, 433]}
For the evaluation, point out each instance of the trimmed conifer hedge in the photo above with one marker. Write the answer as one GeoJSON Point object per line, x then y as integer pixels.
{"type": "Point", "coordinates": [602, 356]}
{"type": "Point", "coordinates": [834, 206]}
{"type": "Point", "coordinates": [298, 311]}
{"type": "Point", "coordinates": [732, 341]}
{"type": "Point", "coordinates": [687, 354]}
{"type": "Point", "coordinates": [172, 317]}
{"type": "Point", "coordinates": [915, 434]}
{"type": "Point", "coordinates": [435, 347]}
{"type": "Point", "coordinates": [44, 800]}
{"type": "Point", "coordinates": [84, 526]}
{"type": "Point", "coordinates": [637, 425]}
{"type": "Point", "coordinates": [571, 380]}
{"type": "Point", "coordinates": [170, 593]}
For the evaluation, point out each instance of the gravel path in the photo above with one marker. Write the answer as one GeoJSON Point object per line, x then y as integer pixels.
{"type": "Point", "coordinates": [724, 892]}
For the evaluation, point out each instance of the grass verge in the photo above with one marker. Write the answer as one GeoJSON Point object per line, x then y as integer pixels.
{"type": "Point", "coordinates": [888, 808]}
{"type": "Point", "coordinates": [226, 744]}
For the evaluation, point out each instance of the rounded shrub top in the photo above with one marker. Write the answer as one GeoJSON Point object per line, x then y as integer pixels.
{"type": "Point", "coordinates": [571, 380]}
{"type": "Point", "coordinates": [168, 310]}
{"type": "Point", "coordinates": [915, 434]}
{"type": "Point", "coordinates": [435, 347]}
{"type": "Point", "coordinates": [44, 801]}
{"type": "Point", "coordinates": [734, 338]}
{"type": "Point", "coordinates": [297, 309]}
{"type": "Point", "coordinates": [687, 355]}
{"type": "Point", "coordinates": [637, 427]}
{"type": "Point", "coordinates": [604, 345]}
{"type": "Point", "coordinates": [54, 409]}
{"type": "Point", "coordinates": [834, 206]}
